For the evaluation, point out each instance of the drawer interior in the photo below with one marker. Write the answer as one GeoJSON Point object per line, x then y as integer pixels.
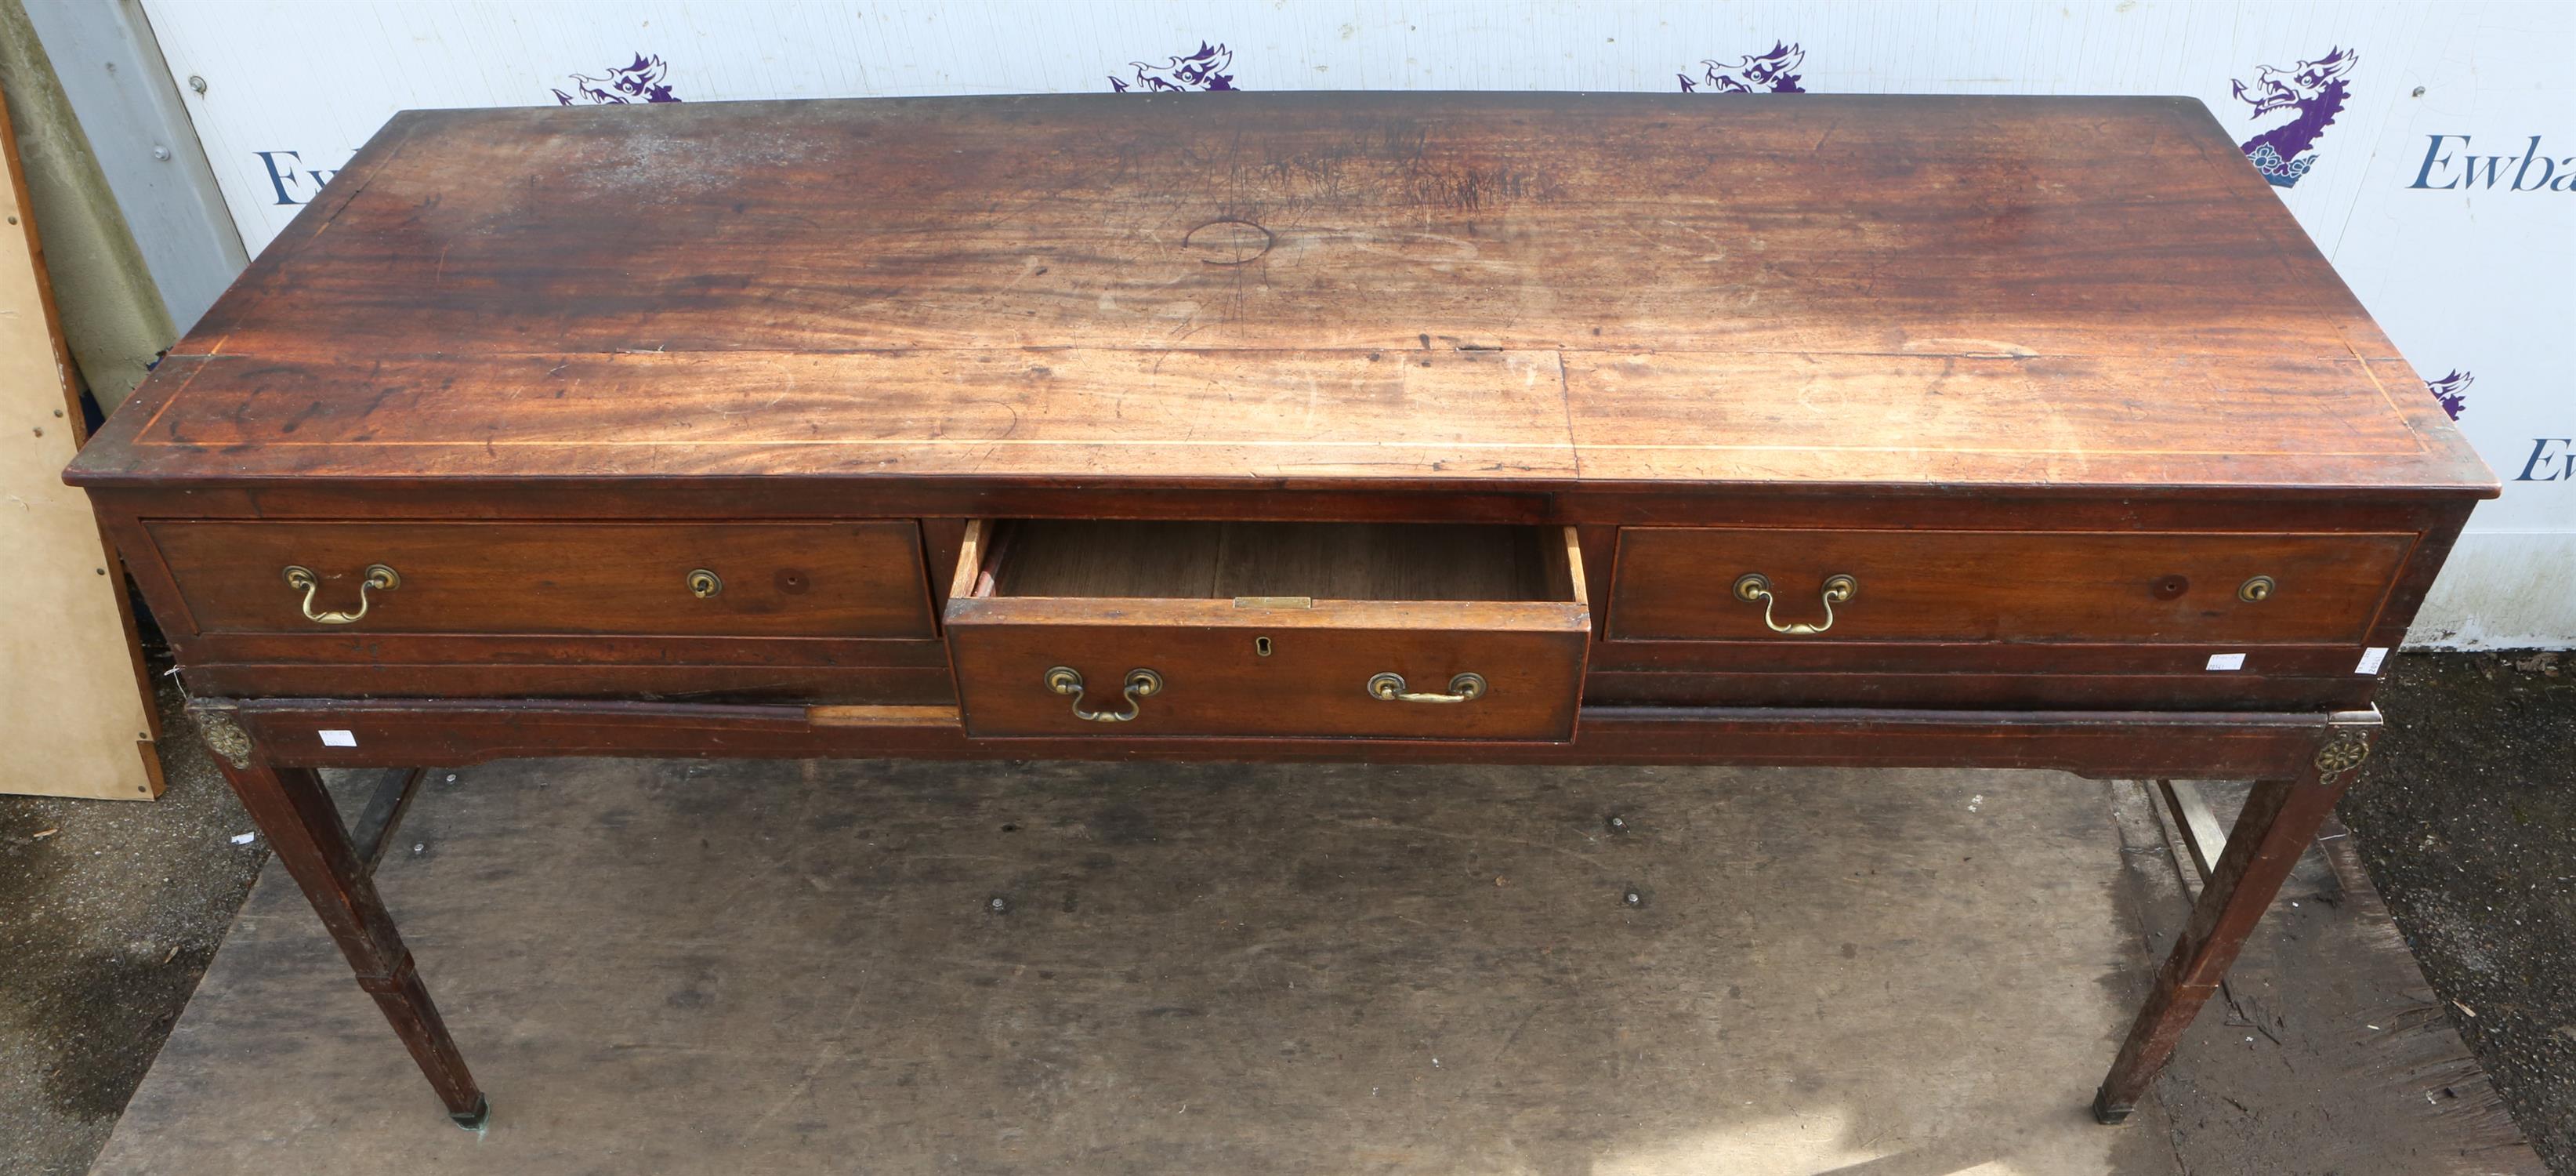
{"type": "Point", "coordinates": [1256, 562]}
{"type": "Point", "coordinates": [1236, 629]}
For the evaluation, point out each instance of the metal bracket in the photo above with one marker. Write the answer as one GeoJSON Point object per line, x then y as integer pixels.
{"type": "Point", "coordinates": [223, 735]}
{"type": "Point", "coordinates": [2342, 754]}
{"type": "Point", "coordinates": [2349, 745]}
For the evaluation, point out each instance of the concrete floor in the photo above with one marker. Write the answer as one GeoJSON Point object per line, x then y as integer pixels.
{"type": "Point", "coordinates": [673, 967]}
{"type": "Point", "coordinates": [2328, 1053]}
{"type": "Point", "coordinates": [109, 913]}
{"type": "Point", "coordinates": [788, 967]}
{"type": "Point", "coordinates": [2467, 819]}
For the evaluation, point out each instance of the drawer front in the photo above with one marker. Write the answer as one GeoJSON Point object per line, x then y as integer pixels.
{"type": "Point", "coordinates": [860, 579]}
{"type": "Point", "coordinates": [1682, 584]}
{"type": "Point", "coordinates": [1314, 679]}
{"type": "Point", "coordinates": [1124, 631]}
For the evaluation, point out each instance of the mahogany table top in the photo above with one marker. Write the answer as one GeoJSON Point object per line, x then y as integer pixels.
{"type": "Point", "coordinates": [1541, 290]}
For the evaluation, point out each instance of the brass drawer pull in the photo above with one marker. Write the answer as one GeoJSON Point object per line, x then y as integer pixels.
{"type": "Point", "coordinates": [1390, 688]}
{"type": "Point", "coordinates": [704, 584]}
{"type": "Point", "coordinates": [1754, 586]}
{"type": "Point", "coordinates": [1141, 683]}
{"type": "Point", "coordinates": [378, 576]}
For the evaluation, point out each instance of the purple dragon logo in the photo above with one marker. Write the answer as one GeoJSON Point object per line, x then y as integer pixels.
{"type": "Point", "coordinates": [1203, 70]}
{"type": "Point", "coordinates": [624, 85]}
{"type": "Point", "coordinates": [2315, 91]}
{"type": "Point", "coordinates": [2452, 390]}
{"type": "Point", "coordinates": [1767, 73]}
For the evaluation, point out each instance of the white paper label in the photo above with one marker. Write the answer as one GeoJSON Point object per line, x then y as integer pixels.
{"type": "Point", "coordinates": [2370, 659]}
{"type": "Point", "coordinates": [339, 739]}
{"type": "Point", "coordinates": [2226, 661]}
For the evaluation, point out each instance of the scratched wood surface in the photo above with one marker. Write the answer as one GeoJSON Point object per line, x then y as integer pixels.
{"type": "Point", "coordinates": [481, 578]}
{"type": "Point", "coordinates": [1677, 583]}
{"type": "Point", "coordinates": [1496, 288]}
{"type": "Point", "coordinates": [1321, 561]}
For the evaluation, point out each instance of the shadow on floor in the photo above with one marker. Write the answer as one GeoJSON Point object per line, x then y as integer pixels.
{"type": "Point", "coordinates": [108, 919]}
{"type": "Point", "coordinates": [109, 912]}
{"type": "Point", "coordinates": [679, 967]}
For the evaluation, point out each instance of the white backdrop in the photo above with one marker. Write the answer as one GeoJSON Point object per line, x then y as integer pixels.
{"type": "Point", "coordinates": [2430, 149]}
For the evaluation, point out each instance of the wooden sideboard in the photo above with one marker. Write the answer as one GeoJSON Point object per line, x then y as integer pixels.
{"type": "Point", "coordinates": [1527, 428]}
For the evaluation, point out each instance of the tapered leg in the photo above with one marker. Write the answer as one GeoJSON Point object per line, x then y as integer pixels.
{"type": "Point", "coordinates": [2279, 821]}
{"type": "Point", "coordinates": [303, 828]}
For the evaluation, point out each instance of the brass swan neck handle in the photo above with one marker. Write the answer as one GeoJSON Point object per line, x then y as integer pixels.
{"type": "Point", "coordinates": [1390, 688]}
{"type": "Point", "coordinates": [378, 577]}
{"type": "Point", "coordinates": [1139, 684]}
{"type": "Point", "coordinates": [1754, 587]}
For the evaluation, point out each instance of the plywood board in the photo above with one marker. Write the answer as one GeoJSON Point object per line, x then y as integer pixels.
{"type": "Point", "coordinates": [73, 716]}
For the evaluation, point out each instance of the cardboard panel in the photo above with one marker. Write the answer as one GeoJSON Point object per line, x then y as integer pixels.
{"type": "Point", "coordinates": [74, 720]}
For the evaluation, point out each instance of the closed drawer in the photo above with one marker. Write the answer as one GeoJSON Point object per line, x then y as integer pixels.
{"type": "Point", "coordinates": [1142, 629]}
{"type": "Point", "coordinates": [860, 579]}
{"type": "Point", "coordinates": [1675, 583]}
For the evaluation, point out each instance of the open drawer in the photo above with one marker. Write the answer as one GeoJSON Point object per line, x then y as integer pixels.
{"type": "Point", "coordinates": [1268, 629]}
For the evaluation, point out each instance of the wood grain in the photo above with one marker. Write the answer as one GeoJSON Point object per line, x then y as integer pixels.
{"type": "Point", "coordinates": [779, 579]}
{"type": "Point", "coordinates": [1311, 684]}
{"type": "Point", "coordinates": [470, 217]}
{"type": "Point", "coordinates": [2279, 821]}
{"type": "Point", "coordinates": [1676, 582]}
{"type": "Point", "coordinates": [306, 832]}
{"type": "Point", "coordinates": [2125, 744]}
{"type": "Point", "coordinates": [1521, 289]}
{"type": "Point", "coordinates": [549, 680]}
{"type": "Point", "coordinates": [1268, 628]}
{"type": "Point", "coordinates": [1971, 682]}
{"type": "Point", "coordinates": [1321, 561]}
{"type": "Point", "coordinates": [2052, 376]}
{"type": "Point", "coordinates": [882, 716]}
